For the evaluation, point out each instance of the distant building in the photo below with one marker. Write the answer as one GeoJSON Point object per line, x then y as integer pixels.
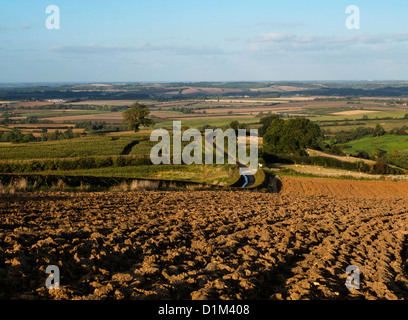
{"type": "Point", "coordinates": [56, 100]}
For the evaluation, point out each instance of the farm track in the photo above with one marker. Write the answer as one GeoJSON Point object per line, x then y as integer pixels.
{"type": "Point", "coordinates": [208, 244]}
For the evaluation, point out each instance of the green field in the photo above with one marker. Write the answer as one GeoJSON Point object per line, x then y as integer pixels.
{"type": "Point", "coordinates": [216, 174]}
{"type": "Point", "coordinates": [387, 142]}
{"type": "Point", "coordinates": [95, 145]}
{"type": "Point", "coordinates": [336, 126]}
{"type": "Point", "coordinates": [56, 113]}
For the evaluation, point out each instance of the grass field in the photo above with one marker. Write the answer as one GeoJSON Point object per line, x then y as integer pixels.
{"type": "Point", "coordinates": [335, 126]}
{"type": "Point", "coordinates": [214, 174]}
{"type": "Point", "coordinates": [96, 145]}
{"type": "Point", "coordinates": [387, 142]}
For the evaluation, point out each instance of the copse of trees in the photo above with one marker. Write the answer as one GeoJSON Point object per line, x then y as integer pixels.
{"type": "Point", "coordinates": [16, 136]}
{"type": "Point", "coordinates": [378, 131]}
{"type": "Point", "coordinates": [292, 136]}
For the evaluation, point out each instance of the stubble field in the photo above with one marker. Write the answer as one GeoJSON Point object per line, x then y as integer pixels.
{"type": "Point", "coordinates": [208, 244]}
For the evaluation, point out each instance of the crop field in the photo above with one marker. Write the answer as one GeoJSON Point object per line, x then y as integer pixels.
{"type": "Point", "coordinates": [370, 115]}
{"type": "Point", "coordinates": [109, 117]}
{"type": "Point", "coordinates": [78, 147]}
{"type": "Point", "coordinates": [208, 245]}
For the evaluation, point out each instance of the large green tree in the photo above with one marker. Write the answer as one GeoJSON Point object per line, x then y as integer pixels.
{"type": "Point", "coordinates": [137, 116]}
{"type": "Point", "coordinates": [292, 136]}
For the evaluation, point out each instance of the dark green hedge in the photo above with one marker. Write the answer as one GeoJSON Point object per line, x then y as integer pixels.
{"type": "Point", "coordinates": [72, 164]}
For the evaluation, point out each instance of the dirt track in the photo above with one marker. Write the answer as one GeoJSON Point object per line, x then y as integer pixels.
{"type": "Point", "coordinates": [201, 245]}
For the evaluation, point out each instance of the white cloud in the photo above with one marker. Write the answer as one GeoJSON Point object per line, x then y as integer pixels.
{"type": "Point", "coordinates": [292, 42]}
{"type": "Point", "coordinates": [277, 24]}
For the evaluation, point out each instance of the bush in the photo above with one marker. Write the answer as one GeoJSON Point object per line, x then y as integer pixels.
{"type": "Point", "coordinates": [380, 167]}
{"type": "Point", "coordinates": [362, 155]}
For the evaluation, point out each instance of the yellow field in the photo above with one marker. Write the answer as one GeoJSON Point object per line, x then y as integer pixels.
{"type": "Point", "coordinates": [351, 112]}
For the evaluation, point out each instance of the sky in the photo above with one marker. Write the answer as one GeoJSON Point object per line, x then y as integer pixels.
{"type": "Point", "coordinates": [195, 40]}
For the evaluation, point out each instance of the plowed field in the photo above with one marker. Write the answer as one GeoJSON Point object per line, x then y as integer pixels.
{"type": "Point", "coordinates": [204, 244]}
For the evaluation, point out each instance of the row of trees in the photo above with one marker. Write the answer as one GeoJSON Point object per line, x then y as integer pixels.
{"type": "Point", "coordinates": [28, 120]}
{"type": "Point", "coordinates": [99, 127]}
{"type": "Point", "coordinates": [343, 136]}
{"type": "Point", "coordinates": [16, 136]}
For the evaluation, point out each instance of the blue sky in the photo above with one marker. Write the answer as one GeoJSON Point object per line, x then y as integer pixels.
{"type": "Point", "coordinates": [192, 40]}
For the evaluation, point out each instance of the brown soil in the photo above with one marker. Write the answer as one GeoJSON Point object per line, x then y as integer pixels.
{"type": "Point", "coordinates": [203, 245]}
{"type": "Point", "coordinates": [359, 189]}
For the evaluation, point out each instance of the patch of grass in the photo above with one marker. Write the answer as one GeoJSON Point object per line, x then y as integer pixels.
{"type": "Point", "coordinates": [260, 177]}
{"type": "Point", "coordinates": [213, 174]}
{"type": "Point", "coordinates": [386, 142]}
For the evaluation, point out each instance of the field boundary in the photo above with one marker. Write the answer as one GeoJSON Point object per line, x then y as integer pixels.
{"type": "Point", "coordinates": [91, 183]}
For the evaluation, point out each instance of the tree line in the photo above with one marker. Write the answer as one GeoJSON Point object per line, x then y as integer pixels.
{"type": "Point", "coordinates": [17, 136]}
